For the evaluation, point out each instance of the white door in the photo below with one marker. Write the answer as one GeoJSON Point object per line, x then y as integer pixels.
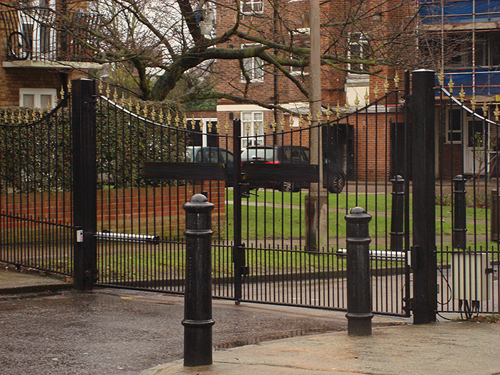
{"type": "Point", "coordinates": [476, 156]}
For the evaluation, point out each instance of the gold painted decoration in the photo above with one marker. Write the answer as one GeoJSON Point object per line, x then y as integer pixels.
{"type": "Point", "coordinates": [485, 110]}
{"type": "Point", "coordinates": [496, 113]}
{"type": "Point", "coordinates": [451, 84]}
{"type": "Point", "coordinates": [462, 94]}
{"type": "Point", "coordinates": [441, 78]}
{"type": "Point", "coordinates": [473, 103]}
{"type": "Point", "coordinates": [396, 81]}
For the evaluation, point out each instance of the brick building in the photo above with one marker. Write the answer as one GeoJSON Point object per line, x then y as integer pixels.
{"type": "Point", "coordinates": [287, 23]}
{"type": "Point", "coordinates": [40, 53]}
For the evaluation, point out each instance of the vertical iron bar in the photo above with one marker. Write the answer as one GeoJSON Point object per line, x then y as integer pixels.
{"type": "Point", "coordinates": [424, 222]}
{"type": "Point", "coordinates": [84, 182]}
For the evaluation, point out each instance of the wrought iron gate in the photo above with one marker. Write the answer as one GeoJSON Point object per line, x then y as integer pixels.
{"type": "Point", "coordinates": [276, 199]}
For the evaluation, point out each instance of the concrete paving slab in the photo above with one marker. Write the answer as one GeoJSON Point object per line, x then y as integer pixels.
{"type": "Point", "coordinates": [23, 282]}
{"type": "Point", "coordinates": [440, 348]}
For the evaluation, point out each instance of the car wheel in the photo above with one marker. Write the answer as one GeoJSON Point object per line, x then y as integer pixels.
{"type": "Point", "coordinates": [336, 183]}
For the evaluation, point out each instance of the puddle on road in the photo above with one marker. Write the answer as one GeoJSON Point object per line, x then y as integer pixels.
{"type": "Point", "coordinates": [271, 336]}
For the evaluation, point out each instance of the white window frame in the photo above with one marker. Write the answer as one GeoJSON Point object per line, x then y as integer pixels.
{"type": "Point", "coordinates": [254, 120]}
{"type": "Point", "coordinates": [37, 96]}
{"type": "Point", "coordinates": [303, 70]}
{"type": "Point", "coordinates": [204, 122]}
{"type": "Point", "coordinates": [257, 65]}
{"type": "Point", "coordinates": [254, 5]}
{"type": "Point", "coordinates": [361, 41]}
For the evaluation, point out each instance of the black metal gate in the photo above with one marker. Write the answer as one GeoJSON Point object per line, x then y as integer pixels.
{"type": "Point", "coordinates": [36, 212]}
{"type": "Point", "coordinates": [290, 239]}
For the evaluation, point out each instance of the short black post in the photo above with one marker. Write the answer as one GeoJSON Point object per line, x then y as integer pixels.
{"type": "Point", "coordinates": [459, 214]}
{"type": "Point", "coordinates": [198, 296]}
{"type": "Point", "coordinates": [359, 300]}
{"type": "Point", "coordinates": [397, 214]}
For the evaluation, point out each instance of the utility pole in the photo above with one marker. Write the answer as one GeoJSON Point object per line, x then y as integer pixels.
{"type": "Point", "coordinates": [316, 200]}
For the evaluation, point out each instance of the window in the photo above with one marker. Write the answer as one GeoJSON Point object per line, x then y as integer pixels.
{"type": "Point", "coordinates": [253, 67]}
{"type": "Point", "coordinates": [358, 49]}
{"type": "Point", "coordinates": [252, 6]}
{"type": "Point", "coordinates": [252, 124]}
{"type": "Point", "coordinates": [454, 126]}
{"type": "Point", "coordinates": [37, 98]}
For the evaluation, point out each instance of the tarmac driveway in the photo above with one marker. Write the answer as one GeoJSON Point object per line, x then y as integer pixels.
{"type": "Point", "coordinates": [114, 331]}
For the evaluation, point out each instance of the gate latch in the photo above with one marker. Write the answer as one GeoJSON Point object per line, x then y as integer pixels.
{"type": "Point", "coordinates": [79, 235]}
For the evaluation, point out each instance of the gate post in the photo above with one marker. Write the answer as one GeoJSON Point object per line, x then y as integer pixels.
{"type": "Point", "coordinates": [359, 299]}
{"type": "Point", "coordinates": [84, 182]}
{"type": "Point", "coordinates": [424, 262]}
{"type": "Point", "coordinates": [459, 218]}
{"type": "Point", "coordinates": [198, 320]}
{"type": "Point", "coordinates": [238, 248]}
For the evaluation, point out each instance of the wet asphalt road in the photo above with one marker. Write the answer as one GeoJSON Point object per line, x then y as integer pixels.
{"type": "Point", "coordinates": [114, 331]}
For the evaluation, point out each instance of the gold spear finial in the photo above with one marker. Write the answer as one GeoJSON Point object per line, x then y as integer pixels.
{"type": "Point", "coordinates": [485, 110]}
{"type": "Point", "coordinates": [441, 78]}
{"type": "Point", "coordinates": [328, 113]}
{"type": "Point", "coordinates": [462, 94]}
{"type": "Point", "coordinates": [451, 84]}
{"type": "Point", "coordinates": [396, 81]}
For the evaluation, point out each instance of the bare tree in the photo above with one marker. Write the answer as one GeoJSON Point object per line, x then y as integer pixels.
{"type": "Point", "coordinates": [153, 45]}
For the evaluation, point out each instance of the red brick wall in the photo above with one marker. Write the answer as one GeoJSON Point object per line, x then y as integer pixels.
{"type": "Point", "coordinates": [144, 209]}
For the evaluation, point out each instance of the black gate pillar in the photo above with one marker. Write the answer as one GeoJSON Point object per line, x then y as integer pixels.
{"type": "Point", "coordinates": [84, 182]}
{"type": "Point", "coordinates": [423, 263]}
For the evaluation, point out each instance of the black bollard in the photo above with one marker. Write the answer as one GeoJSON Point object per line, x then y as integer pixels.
{"type": "Point", "coordinates": [397, 214]}
{"type": "Point", "coordinates": [198, 320]}
{"type": "Point", "coordinates": [459, 214]}
{"type": "Point", "coordinates": [359, 301]}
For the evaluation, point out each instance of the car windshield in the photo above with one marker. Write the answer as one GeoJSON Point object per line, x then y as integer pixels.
{"type": "Point", "coordinates": [258, 153]}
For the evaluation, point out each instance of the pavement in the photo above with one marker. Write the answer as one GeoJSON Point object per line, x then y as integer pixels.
{"type": "Point", "coordinates": [395, 347]}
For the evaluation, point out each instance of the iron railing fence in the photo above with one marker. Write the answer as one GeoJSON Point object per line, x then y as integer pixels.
{"type": "Point", "coordinates": [467, 204]}
{"type": "Point", "coordinates": [36, 188]}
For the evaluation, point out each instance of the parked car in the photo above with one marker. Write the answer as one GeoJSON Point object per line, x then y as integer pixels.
{"type": "Point", "coordinates": [199, 154]}
{"type": "Point", "coordinates": [334, 177]}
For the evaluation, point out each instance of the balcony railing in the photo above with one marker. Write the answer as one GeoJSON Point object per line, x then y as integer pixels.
{"type": "Point", "coordinates": [40, 34]}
